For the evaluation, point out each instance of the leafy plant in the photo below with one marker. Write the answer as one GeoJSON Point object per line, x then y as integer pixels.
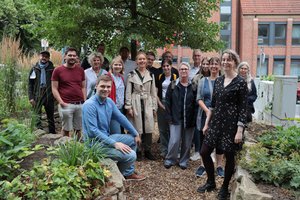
{"type": "Point", "coordinates": [276, 159]}
{"type": "Point", "coordinates": [57, 180]}
{"type": "Point", "coordinates": [75, 153]}
{"type": "Point", "coordinates": [15, 144]}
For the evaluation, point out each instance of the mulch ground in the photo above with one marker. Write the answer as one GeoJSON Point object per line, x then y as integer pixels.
{"type": "Point", "coordinates": [173, 183]}
{"type": "Point", "coordinates": [178, 184]}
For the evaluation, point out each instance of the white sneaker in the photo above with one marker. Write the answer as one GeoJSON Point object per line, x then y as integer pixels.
{"type": "Point", "coordinates": [195, 156]}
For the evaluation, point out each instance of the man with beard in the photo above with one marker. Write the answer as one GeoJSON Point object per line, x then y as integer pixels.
{"type": "Point", "coordinates": [39, 90]}
{"type": "Point", "coordinates": [69, 89]}
{"type": "Point", "coordinates": [97, 113]}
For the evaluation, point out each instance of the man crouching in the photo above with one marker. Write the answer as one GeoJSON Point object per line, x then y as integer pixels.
{"type": "Point", "coordinates": [97, 113]}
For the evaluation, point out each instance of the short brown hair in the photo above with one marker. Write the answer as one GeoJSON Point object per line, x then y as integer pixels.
{"type": "Point", "coordinates": [70, 49]}
{"type": "Point", "coordinates": [105, 78]}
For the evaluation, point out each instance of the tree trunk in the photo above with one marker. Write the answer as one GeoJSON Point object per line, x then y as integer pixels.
{"type": "Point", "coordinates": [134, 16]}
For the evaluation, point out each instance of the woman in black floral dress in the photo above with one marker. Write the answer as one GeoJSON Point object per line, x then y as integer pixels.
{"type": "Point", "coordinates": [225, 123]}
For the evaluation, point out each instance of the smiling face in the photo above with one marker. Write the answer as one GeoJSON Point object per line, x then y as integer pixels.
{"type": "Point", "coordinates": [71, 58]}
{"type": "Point", "coordinates": [166, 66]}
{"type": "Point", "coordinates": [205, 66]}
{"type": "Point", "coordinates": [183, 71]}
{"type": "Point", "coordinates": [117, 67]}
{"type": "Point", "coordinates": [243, 71]}
{"type": "Point", "coordinates": [214, 67]}
{"type": "Point", "coordinates": [44, 58]}
{"type": "Point", "coordinates": [228, 63]}
{"type": "Point", "coordinates": [103, 89]}
{"type": "Point", "coordinates": [141, 60]}
{"type": "Point", "coordinates": [96, 63]}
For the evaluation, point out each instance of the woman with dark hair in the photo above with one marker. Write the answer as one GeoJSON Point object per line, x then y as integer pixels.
{"type": "Point", "coordinates": [204, 97]}
{"type": "Point", "coordinates": [141, 103]}
{"type": "Point", "coordinates": [225, 122]}
{"type": "Point", "coordinates": [244, 71]}
{"type": "Point", "coordinates": [163, 81]}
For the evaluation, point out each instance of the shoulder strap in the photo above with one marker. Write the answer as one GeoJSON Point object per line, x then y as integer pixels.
{"type": "Point", "coordinates": [174, 76]}
{"type": "Point", "coordinates": [100, 73]}
{"type": "Point", "coordinates": [159, 77]}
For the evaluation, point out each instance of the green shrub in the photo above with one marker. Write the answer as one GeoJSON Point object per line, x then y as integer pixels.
{"type": "Point", "coordinates": [276, 159]}
{"type": "Point", "coordinates": [15, 144]}
{"type": "Point", "coordinates": [57, 180]}
{"type": "Point", "coordinates": [75, 153]}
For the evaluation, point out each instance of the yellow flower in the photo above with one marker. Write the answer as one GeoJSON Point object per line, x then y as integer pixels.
{"type": "Point", "coordinates": [106, 173]}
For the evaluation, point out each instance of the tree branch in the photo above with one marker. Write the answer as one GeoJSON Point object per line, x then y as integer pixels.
{"type": "Point", "coordinates": [151, 18]}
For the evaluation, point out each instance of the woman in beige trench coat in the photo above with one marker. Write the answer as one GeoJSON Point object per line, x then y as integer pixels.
{"type": "Point", "coordinates": [141, 104]}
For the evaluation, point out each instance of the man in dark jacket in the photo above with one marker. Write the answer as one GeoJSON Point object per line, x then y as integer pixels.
{"type": "Point", "coordinates": [39, 90]}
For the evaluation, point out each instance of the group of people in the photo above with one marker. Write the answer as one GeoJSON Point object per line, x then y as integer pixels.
{"type": "Point", "coordinates": [116, 104]}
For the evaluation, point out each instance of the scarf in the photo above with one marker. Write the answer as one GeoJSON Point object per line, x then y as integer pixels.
{"type": "Point", "coordinates": [43, 74]}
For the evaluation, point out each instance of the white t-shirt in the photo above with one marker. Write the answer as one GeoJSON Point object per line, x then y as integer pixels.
{"type": "Point", "coordinates": [165, 86]}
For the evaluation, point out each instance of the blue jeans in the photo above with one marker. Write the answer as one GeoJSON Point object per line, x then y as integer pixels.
{"type": "Point", "coordinates": [125, 161]}
{"type": "Point", "coordinates": [115, 126]}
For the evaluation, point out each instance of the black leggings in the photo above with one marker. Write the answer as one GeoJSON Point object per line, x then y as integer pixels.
{"type": "Point", "coordinates": [209, 165]}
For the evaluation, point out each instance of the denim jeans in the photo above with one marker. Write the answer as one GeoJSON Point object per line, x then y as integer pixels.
{"type": "Point", "coordinates": [115, 126]}
{"type": "Point", "coordinates": [125, 161]}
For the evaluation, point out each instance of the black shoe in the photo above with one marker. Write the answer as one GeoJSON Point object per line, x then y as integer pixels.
{"type": "Point", "coordinates": [223, 193]}
{"type": "Point", "coordinates": [207, 187]}
{"type": "Point", "coordinates": [168, 166]}
{"type": "Point", "coordinates": [183, 167]}
{"type": "Point", "coordinates": [149, 155]}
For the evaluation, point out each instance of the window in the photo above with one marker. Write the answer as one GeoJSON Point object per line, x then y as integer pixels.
{"type": "Point", "coordinates": [263, 34]}
{"type": "Point", "coordinates": [226, 40]}
{"type": "Point", "coordinates": [185, 59]}
{"type": "Point", "coordinates": [295, 67]}
{"type": "Point", "coordinates": [280, 31]}
{"type": "Point", "coordinates": [226, 22]}
{"type": "Point", "coordinates": [296, 34]}
{"type": "Point", "coordinates": [225, 10]}
{"type": "Point", "coordinates": [272, 34]}
{"type": "Point", "coordinates": [263, 69]}
{"type": "Point", "coordinates": [278, 66]}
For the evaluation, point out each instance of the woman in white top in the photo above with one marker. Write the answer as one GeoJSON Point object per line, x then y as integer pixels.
{"type": "Point", "coordinates": [91, 74]}
{"type": "Point", "coordinates": [164, 80]}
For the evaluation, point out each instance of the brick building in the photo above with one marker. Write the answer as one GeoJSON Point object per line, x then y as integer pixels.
{"type": "Point", "coordinates": [253, 28]}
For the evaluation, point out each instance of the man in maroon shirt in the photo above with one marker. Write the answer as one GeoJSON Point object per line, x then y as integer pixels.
{"type": "Point", "coordinates": [68, 88]}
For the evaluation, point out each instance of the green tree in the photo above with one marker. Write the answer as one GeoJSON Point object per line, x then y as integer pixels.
{"type": "Point", "coordinates": [16, 19]}
{"type": "Point", "coordinates": [152, 23]}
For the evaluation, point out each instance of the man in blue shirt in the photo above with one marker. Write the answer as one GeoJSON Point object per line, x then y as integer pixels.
{"type": "Point", "coordinates": [97, 113]}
